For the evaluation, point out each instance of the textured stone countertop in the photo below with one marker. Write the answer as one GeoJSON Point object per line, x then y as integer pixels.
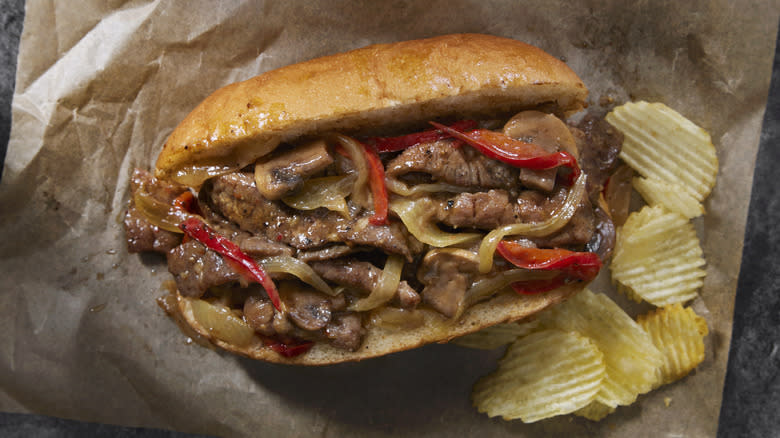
{"type": "Point", "coordinates": [751, 398]}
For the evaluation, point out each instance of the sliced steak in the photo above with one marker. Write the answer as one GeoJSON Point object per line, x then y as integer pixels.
{"type": "Point", "coordinates": [195, 269]}
{"type": "Point", "coordinates": [447, 275]}
{"type": "Point", "coordinates": [599, 143]}
{"type": "Point", "coordinates": [345, 331]}
{"type": "Point", "coordinates": [462, 166]}
{"type": "Point", "coordinates": [141, 234]}
{"type": "Point", "coordinates": [327, 253]}
{"type": "Point", "coordinates": [533, 206]}
{"type": "Point", "coordinates": [235, 196]}
{"type": "Point", "coordinates": [486, 210]}
{"type": "Point", "coordinates": [287, 170]}
{"type": "Point", "coordinates": [362, 276]}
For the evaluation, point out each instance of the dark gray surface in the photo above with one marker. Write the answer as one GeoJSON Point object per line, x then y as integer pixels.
{"type": "Point", "coordinates": [751, 399]}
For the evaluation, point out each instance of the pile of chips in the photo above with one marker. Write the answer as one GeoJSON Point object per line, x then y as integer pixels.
{"type": "Point", "coordinates": [587, 356]}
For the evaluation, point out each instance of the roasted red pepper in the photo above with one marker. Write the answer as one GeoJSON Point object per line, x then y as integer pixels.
{"type": "Point", "coordinates": [291, 348]}
{"type": "Point", "coordinates": [376, 180]}
{"type": "Point", "coordinates": [514, 152]}
{"type": "Point", "coordinates": [394, 144]}
{"type": "Point", "coordinates": [198, 230]}
{"type": "Point", "coordinates": [583, 266]}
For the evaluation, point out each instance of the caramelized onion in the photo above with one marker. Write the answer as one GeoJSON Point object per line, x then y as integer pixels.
{"type": "Point", "coordinates": [393, 318]}
{"type": "Point", "coordinates": [385, 288]}
{"type": "Point", "coordinates": [160, 214]}
{"type": "Point", "coordinates": [486, 287]}
{"type": "Point", "coordinates": [415, 214]}
{"type": "Point", "coordinates": [402, 189]}
{"type": "Point", "coordinates": [560, 217]}
{"type": "Point", "coordinates": [360, 192]}
{"type": "Point", "coordinates": [329, 192]}
{"type": "Point", "coordinates": [222, 323]}
{"type": "Point", "coordinates": [293, 266]}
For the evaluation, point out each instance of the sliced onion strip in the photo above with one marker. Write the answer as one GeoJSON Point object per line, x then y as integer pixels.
{"type": "Point", "coordinates": [385, 288]}
{"type": "Point", "coordinates": [221, 322]}
{"type": "Point", "coordinates": [299, 269]}
{"type": "Point", "coordinates": [414, 213]}
{"type": "Point", "coordinates": [360, 192]}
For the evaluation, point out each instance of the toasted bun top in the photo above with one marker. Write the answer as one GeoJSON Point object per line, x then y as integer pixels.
{"type": "Point", "coordinates": [464, 75]}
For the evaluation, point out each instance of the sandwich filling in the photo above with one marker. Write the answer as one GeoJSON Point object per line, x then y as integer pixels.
{"type": "Point", "coordinates": [319, 240]}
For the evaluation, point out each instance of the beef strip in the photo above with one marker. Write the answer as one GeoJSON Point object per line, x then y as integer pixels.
{"type": "Point", "coordinates": [362, 276]}
{"type": "Point", "coordinates": [195, 269]}
{"type": "Point", "coordinates": [327, 253]}
{"type": "Point", "coordinates": [235, 196]}
{"type": "Point", "coordinates": [603, 240]}
{"type": "Point", "coordinates": [141, 234]}
{"type": "Point", "coordinates": [286, 171]}
{"type": "Point", "coordinates": [462, 166]}
{"type": "Point", "coordinates": [486, 210]}
{"type": "Point", "coordinates": [534, 206]}
{"type": "Point", "coordinates": [345, 331]}
{"type": "Point", "coordinates": [447, 275]}
{"type": "Point", "coordinates": [599, 143]}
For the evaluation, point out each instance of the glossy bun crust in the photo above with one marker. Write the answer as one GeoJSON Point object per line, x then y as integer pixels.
{"type": "Point", "coordinates": [398, 84]}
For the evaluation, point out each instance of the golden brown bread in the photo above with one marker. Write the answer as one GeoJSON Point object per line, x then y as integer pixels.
{"type": "Point", "coordinates": [467, 75]}
{"type": "Point", "coordinates": [399, 84]}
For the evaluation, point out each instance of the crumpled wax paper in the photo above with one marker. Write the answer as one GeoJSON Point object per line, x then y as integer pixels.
{"type": "Point", "coordinates": [101, 84]}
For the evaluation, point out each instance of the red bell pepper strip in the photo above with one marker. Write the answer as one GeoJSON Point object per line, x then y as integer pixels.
{"type": "Point", "coordinates": [290, 349]}
{"type": "Point", "coordinates": [394, 144]}
{"type": "Point", "coordinates": [573, 265]}
{"type": "Point", "coordinates": [514, 152]}
{"type": "Point", "coordinates": [376, 180]}
{"type": "Point", "coordinates": [198, 230]}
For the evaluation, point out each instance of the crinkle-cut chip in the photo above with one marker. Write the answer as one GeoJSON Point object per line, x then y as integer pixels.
{"type": "Point", "coordinates": [631, 358]}
{"type": "Point", "coordinates": [496, 336]}
{"type": "Point", "coordinates": [679, 333]}
{"type": "Point", "coordinates": [670, 195]}
{"type": "Point", "coordinates": [544, 374]}
{"type": "Point", "coordinates": [595, 411]}
{"type": "Point", "coordinates": [660, 143]}
{"type": "Point", "coordinates": [658, 257]}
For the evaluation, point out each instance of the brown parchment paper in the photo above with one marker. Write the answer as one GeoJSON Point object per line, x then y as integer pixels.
{"type": "Point", "coordinates": [101, 84]}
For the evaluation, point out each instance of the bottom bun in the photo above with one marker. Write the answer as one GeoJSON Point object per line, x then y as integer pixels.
{"type": "Point", "coordinates": [379, 341]}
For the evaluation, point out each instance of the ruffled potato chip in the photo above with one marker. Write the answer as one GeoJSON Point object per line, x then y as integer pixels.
{"type": "Point", "coordinates": [662, 144]}
{"type": "Point", "coordinates": [544, 374]}
{"type": "Point", "coordinates": [595, 411]}
{"type": "Point", "coordinates": [496, 336]}
{"type": "Point", "coordinates": [669, 195]}
{"type": "Point", "coordinates": [631, 358]}
{"type": "Point", "coordinates": [679, 333]}
{"type": "Point", "coordinates": [658, 257]}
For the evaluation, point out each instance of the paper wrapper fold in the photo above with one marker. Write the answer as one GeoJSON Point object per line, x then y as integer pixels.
{"type": "Point", "coordinates": [100, 85]}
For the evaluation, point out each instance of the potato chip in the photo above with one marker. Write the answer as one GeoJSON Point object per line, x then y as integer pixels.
{"type": "Point", "coordinates": [496, 336]}
{"type": "Point", "coordinates": [658, 257]}
{"type": "Point", "coordinates": [679, 333]}
{"type": "Point", "coordinates": [662, 144]}
{"type": "Point", "coordinates": [544, 374]}
{"type": "Point", "coordinates": [595, 411]}
{"type": "Point", "coordinates": [631, 358]}
{"type": "Point", "coordinates": [669, 195]}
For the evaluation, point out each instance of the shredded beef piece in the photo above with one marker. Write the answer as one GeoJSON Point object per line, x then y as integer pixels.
{"type": "Point", "coordinates": [345, 331]}
{"type": "Point", "coordinates": [446, 276]}
{"type": "Point", "coordinates": [327, 253]}
{"type": "Point", "coordinates": [141, 234]}
{"type": "Point", "coordinates": [599, 143]}
{"type": "Point", "coordinates": [196, 268]}
{"type": "Point", "coordinates": [534, 206]}
{"type": "Point", "coordinates": [486, 210]}
{"type": "Point", "coordinates": [462, 166]}
{"type": "Point", "coordinates": [286, 171]}
{"type": "Point", "coordinates": [603, 241]}
{"type": "Point", "coordinates": [235, 196]}
{"type": "Point", "coordinates": [362, 276]}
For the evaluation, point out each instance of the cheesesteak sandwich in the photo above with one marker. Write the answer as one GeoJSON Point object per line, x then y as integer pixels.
{"type": "Point", "coordinates": [378, 200]}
